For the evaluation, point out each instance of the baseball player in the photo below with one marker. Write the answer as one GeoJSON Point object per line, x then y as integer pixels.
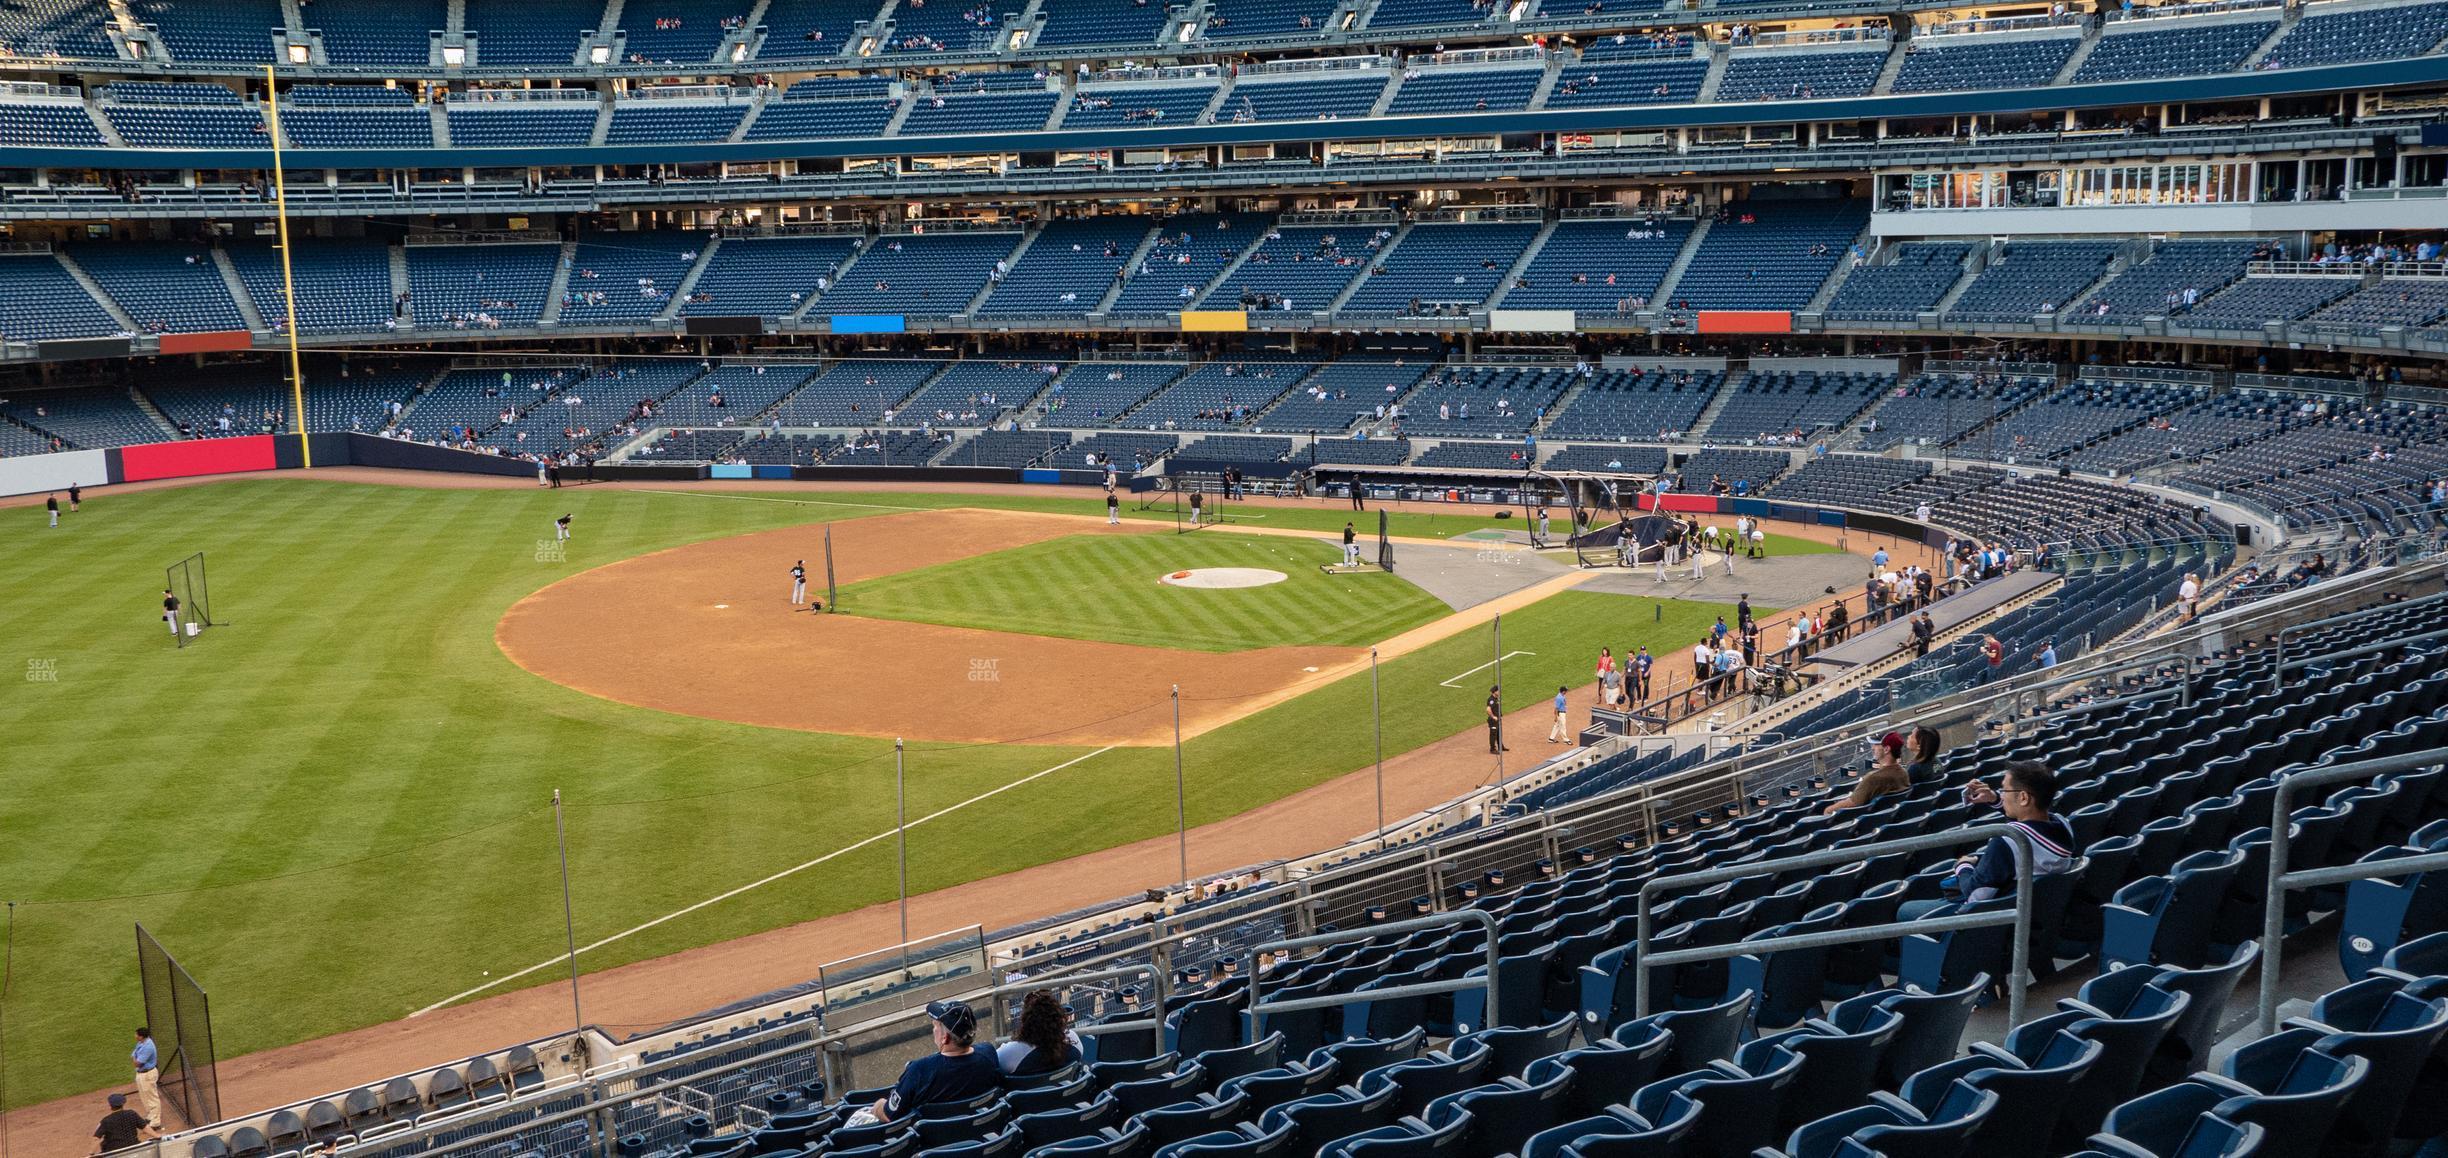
{"type": "Point", "coordinates": [170, 611]}
{"type": "Point", "coordinates": [561, 528]}
{"type": "Point", "coordinates": [1113, 509]}
{"type": "Point", "coordinates": [1351, 547]}
{"type": "Point", "coordinates": [798, 582]}
{"type": "Point", "coordinates": [76, 496]}
{"type": "Point", "coordinates": [1198, 503]}
{"type": "Point", "coordinates": [51, 504]}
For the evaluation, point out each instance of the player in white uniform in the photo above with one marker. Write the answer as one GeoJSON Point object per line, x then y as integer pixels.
{"type": "Point", "coordinates": [798, 582]}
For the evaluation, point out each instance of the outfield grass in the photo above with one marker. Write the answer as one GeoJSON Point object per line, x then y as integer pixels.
{"type": "Point", "coordinates": [335, 809]}
{"type": "Point", "coordinates": [1108, 587]}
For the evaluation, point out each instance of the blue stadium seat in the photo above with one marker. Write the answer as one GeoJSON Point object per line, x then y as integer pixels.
{"type": "Point", "coordinates": [2297, 1105]}
{"type": "Point", "coordinates": [76, 29]}
{"type": "Point", "coordinates": [2166, 920]}
{"type": "Point", "coordinates": [2031, 1093]}
{"type": "Point", "coordinates": [1892, 1126]}
{"type": "Point", "coordinates": [2140, 49]}
{"type": "Point", "coordinates": [1739, 1108]}
{"type": "Point", "coordinates": [1989, 61]}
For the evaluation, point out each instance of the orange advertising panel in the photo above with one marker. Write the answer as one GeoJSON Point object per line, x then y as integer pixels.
{"type": "Point", "coordinates": [1744, 322]}
{"type": "Point", "coordinates": [207, 343]}
{"type": "Point", "coordinates": [1214, 321]}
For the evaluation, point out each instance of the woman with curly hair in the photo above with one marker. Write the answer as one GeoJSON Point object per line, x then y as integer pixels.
{"type": "Point", "coordinates": [1042, 1043]}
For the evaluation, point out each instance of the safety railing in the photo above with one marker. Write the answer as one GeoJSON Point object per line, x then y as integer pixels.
{"type": "Point", "coordinates": [2281, 882]}
{"type": "Point", "coordinates": [2018, 971]}
{"type": "Point", "coordinates": [1259, 1007]}
{"type": "Point", "coordinates": [2278, 643]}
{"type": "Point", "coordinates": [1321, 64]}
{"type": "Point", "coordinates": [1156, 1008]}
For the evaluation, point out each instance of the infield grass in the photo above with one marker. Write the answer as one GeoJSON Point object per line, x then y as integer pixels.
{"type": "Point", "coordinates": [1110, 588]}
{"type": "Point", "coordinates": [335, 808]}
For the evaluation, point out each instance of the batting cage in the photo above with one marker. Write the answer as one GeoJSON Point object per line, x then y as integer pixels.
{"type": "Point", "coordinates": [1604, 525]}
{"type": "Point", "coordinates": [180, 1016]}
{"type": "Point", "coordinates": [1198, 503]}
{"type": "Point", "coordinates": [185, 580]}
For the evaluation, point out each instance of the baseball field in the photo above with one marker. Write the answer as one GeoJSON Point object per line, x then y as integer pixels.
{"type": "Point", "coordinates": [335, 806]}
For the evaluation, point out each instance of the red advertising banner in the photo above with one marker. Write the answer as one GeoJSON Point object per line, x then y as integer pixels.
{"type": "Point", "coordinates": [210, 342]}
{"type": "Point", "coordinates": [202, 456]}
{"type": "Point", "coordinates": [1697, 504]}
{"type": "Point", "coordinates": [1743, 322]}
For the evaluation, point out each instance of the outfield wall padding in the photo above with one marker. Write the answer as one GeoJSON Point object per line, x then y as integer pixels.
{"type": "Point", "coordinates": [626, 472]}
{"type": "Point", "coordinates": [981, 474]}
{"type": "Point", "coordinates": [42, 473]}
{"type": "Point", "coordinates": [368, 450]}
{"type": "Point", "coordinates": [199, 457]}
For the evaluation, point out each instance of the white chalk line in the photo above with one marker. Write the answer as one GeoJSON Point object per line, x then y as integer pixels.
{"type": "Point", "coordinates": [1483, 667]}
{"type": "Point", "coordinates": [721, 897]}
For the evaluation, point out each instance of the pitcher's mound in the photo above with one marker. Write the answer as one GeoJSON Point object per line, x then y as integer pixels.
{"type": "Point", "coordinates": [1225, 577]}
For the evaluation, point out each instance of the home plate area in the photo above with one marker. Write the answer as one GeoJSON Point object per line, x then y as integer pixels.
{"type": "Point", "coordinates": [1223, 577]}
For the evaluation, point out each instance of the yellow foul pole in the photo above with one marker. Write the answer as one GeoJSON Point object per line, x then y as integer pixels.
{"type": "Point", "coordinates": [280, 204]}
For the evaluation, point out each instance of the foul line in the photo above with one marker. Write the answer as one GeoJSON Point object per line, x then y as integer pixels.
{"type": "Point", "coordinates": [717, 899]}
{"type": "Point", "coordinates": [1483, 667]}
{"type": "Point", "coordinates": [794, 502]}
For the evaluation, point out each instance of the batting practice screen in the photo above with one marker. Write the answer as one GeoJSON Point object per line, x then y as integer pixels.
{"type": "Point", "coordinates": [185, 579]}
{"type": "Point", "coordinates": [181, 1020]}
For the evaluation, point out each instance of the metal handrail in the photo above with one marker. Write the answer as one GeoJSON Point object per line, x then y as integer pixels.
{"type": "Point", "coordinates": [1156, 1007]}
{"type": "Point", "coordinates": [2185, 699]}
{"type": "Point", "coordinates": [2021, 918]}
{"type": "Point", "coordinates": [2273, 904]}
{"type": "Point", "coordinates": [2359, 650]}
{"type": "Point", "coordinates": [1450, 917]}
{"type": "Point", "coordinates": [2278, 642]}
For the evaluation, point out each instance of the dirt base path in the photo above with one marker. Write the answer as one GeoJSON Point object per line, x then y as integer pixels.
{"type": "Point", "coordinates": [730, 646]}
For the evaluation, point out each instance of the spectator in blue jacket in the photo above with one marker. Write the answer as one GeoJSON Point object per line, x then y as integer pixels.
{"type": "Point", "coordinates": [2025, 794]}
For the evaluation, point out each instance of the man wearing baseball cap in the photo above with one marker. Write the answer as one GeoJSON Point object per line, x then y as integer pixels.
{"type": "Point", "coordinates": [120, 1129]}
{"type": "Point", "coordinates": [954, 1072]}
